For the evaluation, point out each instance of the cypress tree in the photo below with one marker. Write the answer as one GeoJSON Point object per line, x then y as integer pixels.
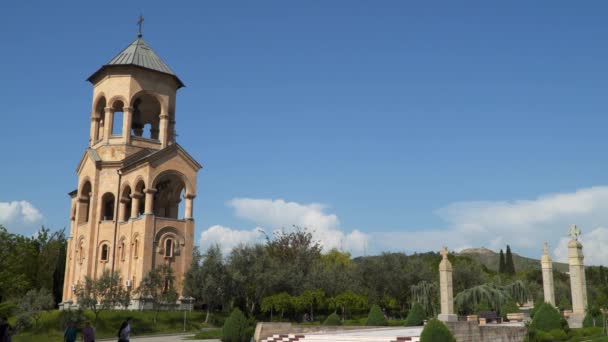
{"type": "Point", "coordinates": [501, 263]}
{"type": "Point", "coordinates": [509, 265]}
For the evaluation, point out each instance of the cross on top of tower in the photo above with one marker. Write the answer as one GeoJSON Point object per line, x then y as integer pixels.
{"type": "Point", "coordinates": [546, 248]}
{"type": "Point", "coordinates": [444, 252]}
{"type": "Point", "coordinates": [140, 23]}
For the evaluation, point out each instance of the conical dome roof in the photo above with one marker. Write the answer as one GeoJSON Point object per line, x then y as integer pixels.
{"type": "Point", "coordinates": [139, 54]}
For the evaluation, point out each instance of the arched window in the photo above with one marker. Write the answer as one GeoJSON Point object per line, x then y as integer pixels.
{"type": "Point", "coordinates": [170, 187]}
{"type": "Point", "coordinates": [117, 118]}
{"type": "Point", "coordinates": [169, 248]}
{"type": "Point", "coordinates": [84, 203]}
{"type": "Point", "coordinates": [135, 248]}
{"type": "Point", "coordinates": [99, 116]}
{"type": "Point", "coordinates": [126, 201]}
{"type": "Point", "coordinates": [146, 117]}
{"type": "Point", "coordinates": [81, 251]}
{"type": "Point", "coordinates": [104, 252]}
{"type": "Point", "coordinates": [107, 206]}
{"type": "Point", "coordinates": [121, 251]}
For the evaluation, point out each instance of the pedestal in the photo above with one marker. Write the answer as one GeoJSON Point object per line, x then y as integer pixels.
{"type": "Point", "coordinates": [447, 317]}
{"type": "Point", "coordinates": [576, 320]}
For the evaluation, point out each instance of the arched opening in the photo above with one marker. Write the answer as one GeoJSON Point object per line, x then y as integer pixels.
{"type": "Point", "coordinates": [121, 249]}
{"type": "Point", "coordinates": [136, 248]}
{"type": "Point", "coordinates": [107, 206]}
{"type": "Point", "coordinates": [181, 208]}
{"type": "Point", "coordinates": [126, 201]}
{"type": "Point", "coordinates": [104, 252]}
{"type": "Point", "coordinates": [169, 248]}
{"type": "Point", "coordinates": [167, 199]}
{"type": "Point", "coordinates": [118, 118]}
{"type": "Point", "coordinates": [99, 116]}
{"type": "Point", "coordinates": [140, 187]}
{"type": "Point", "coordinates": [146, 114]}
{"type": "Point", "coordinates": [84, 203]}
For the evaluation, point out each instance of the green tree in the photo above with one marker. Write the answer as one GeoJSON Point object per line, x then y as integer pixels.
{"type": "Point", "coordinates": [34, 303]}
{"type": "Point", "coordinates": [436, 331]}
{"type": "Point", "coordinates": [348, 301]}
{"type": "Point", "coordinates": [103, 293]}
{"type": "Point", "coordinates": [509, 265]}
{"type": "Point", "coordinates": [157, 287]}
{"type": "Point", "coordinates": [416, 316]}
{"type": "Point", "coordinates": [333, 319]}
{"type": "Point", "coordinates": [501, 263]}
{"type": "Point", "coordinates": [308, 300]}
{"type": "Point", "coordinates": [235, 328]}
{"type": "Point", "coordinates": [280, 302]}
{"type": "Point", "coordinates": [546, 318]}
{"type": "Point", "coordinates": [424, 294]}
{"type": "Point", "coordinates": [376, 317]}
{"type": "Point", "coordinates": [207, 279]}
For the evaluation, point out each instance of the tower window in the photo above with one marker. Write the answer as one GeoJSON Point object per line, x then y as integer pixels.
{"type": "Point", "coordinates": [122, 250]}
{"type": "Point", "coordinates": [107, 209]}
{"type": "Point", "coordinates": [135, 248]}
{"type": "Point", "coordinates": [169, 248]}
{"type": "Point", "coordinates": [104, 252]}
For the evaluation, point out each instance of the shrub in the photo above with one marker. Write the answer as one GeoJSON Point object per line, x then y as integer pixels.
{"type": "Point", "coordinates": [558, 335]}
{"type": "Point", "coordinates": [546, 318]}
{"type": "Point", "coordinates": [23, 322]}
{"type": "Point", "coordinates": [235, 328]}
{"type": "Point", "coordinates": [416, 316]}
{"type": "Point", "coordinates": [436, 331]}
{"type": "Point", "coordinates": [588, 321]}
{"type": "Point", "coordinates": [376, 316]}
{"type": "Point", "coordinates": [333, 319]}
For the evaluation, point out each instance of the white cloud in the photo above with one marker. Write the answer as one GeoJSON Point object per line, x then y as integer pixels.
{"type": "Point", "coordinates": [523, 224]}
{"type": "Point", "coordinates": [271, 214]}
{"type": "Point", "coordinates": [18, 212]}
{"type": "Point", "coordinates": [228, 238]}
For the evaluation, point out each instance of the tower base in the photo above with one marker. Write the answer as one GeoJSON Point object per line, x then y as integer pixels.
{"type": "Point", "coordinates": [447, 317]}
{"type": "Point", "coordinates": [576, 320]}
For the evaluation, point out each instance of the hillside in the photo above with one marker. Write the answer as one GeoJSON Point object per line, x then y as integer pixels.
{"type": "Point", "coordinates": [490, 258]}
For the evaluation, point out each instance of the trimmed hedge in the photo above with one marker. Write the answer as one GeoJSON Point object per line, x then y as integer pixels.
{"type": "Point", "coordinates": [436, 331]}
{"type": "Point", "coordinates": [546, 318]}
{"type": "Point", "coordinates": [376, 317]}
{"type": "Point", "coordinates": [333, 319]}
{"type": "Point", "coordinates": [236, 328]}
{"type": "Point", "coordinates": [415, 317]}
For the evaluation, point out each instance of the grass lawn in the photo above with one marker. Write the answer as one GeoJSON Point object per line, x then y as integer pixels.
{"type": "Point", "coordinates": [168, 322]}
{"type": "Point", "coordinates": [208, 334]}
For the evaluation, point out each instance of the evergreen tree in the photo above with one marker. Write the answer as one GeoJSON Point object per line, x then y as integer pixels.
{"type": "Point", "coordinates": [509, 265]}
{"type": "Point", "coordinates": [501, 263]}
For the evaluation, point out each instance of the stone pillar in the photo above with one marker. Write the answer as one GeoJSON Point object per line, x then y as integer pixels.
{"type": "Point", "coordinates": [149, 201]}
{"type": "Point", "coordinates": [445, 289]}
{"type": "Point", "coordinates": [94, 128]}
{"type": "Point", "coordinates": [188, 207]}
{"type": "Point", "coordinates": [578, 283]}
{"type": "Point", "coordinates": [547, 267]}
{"type": "Point", "coordinates": [108, 122]}
{"type": "Point", "coordinates": [135, 205]}
{"type": "Point", "coordinates": [164, 130]}
{"type": "Point", "coordinates": [126, 123]}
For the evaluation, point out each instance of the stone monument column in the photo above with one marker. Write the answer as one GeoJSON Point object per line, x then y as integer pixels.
{"type": "Point", "coordinates": [445, 289]}
{"type": "Point", "coordinates": [578, 283]}
{"type": "Point", "coordinates": [547, 267]}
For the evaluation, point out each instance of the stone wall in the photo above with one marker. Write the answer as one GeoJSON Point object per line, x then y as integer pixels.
{"type": "Point", "coordinates": [472, 332]}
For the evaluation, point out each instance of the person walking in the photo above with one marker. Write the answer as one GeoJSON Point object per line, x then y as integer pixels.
{"type": "Point", "coordinates": [125, 330]}
{"type": "Point", "coordinates": [70, 333]}
{"type": "Point", "coordinates": [88, 333]}
{"type": "Point", "coordinates": [6, 331]}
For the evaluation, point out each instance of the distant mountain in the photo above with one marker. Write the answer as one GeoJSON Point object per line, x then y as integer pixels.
{"type": "Point", "coordinates": [490, 258]}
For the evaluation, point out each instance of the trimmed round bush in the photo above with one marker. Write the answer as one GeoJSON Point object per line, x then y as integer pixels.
{"type": "Point", "coordinates": [436, 331]}
{"type": "Point", "coordinates": [236, 328]}
{"type": "Point", "coordinates": [376, 317]}
{"type": "Point", "coordinates": [546, 318]}
{"type": "Point", "coordinates": [333, 319]}
{"type": "Point", "coordinates": [415, 317]}
{"type": "Point", "coordinates": [588, 321]}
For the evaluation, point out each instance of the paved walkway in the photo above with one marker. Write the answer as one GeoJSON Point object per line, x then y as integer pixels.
{"type": "Point", "coordinates": [164, 338]}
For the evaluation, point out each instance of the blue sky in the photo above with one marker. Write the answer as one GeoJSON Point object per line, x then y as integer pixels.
{"type": "Point", "coordinates": [384, 118]}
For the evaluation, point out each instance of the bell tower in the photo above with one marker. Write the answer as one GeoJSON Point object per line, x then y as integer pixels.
{"type": "Point", "coordinates": [132, 209]}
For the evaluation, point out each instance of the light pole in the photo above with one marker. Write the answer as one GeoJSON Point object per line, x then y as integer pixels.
{"type": "Point", "coordinates": [188, 301]}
